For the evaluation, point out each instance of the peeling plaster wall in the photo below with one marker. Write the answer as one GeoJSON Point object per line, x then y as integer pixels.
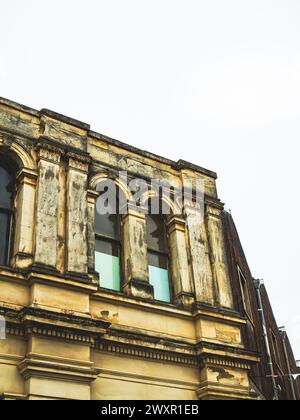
{"type": "Point", "coordinates": [71, 339]}
{"type": "Point", "coordinates": [77, 221]}
{"type": "Point", "coordinates": [46, 216]}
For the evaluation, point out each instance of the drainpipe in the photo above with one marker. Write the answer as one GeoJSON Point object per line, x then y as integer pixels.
{"type": "Point", "coordinates": [257, 285]}
{"type": "Point", "coordinates": [291, 379]}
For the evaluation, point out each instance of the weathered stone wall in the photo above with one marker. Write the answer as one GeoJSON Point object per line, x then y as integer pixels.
{"type": "Point", "coordinates": [66, 337]}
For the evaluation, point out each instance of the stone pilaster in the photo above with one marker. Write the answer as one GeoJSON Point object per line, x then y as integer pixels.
{"type": "Point", "coordinates": [199, 256]}
{"type": "Point", "coordinates": [46, 232]}
{"type": "Point", "coordinates": [25, 218]}
{"type": "Point", "coordinates": [77, 213]}
{"type": "Point", "coordinates": [223, 360]}
{"type": "Point", "coordinates": [91, 203]}
{"type": "Point", "coordinates": [135, 254]}
{"type": "Point", "coordinates": [218, 255]}
{"type": "Point", "coordinates": [61, 248]}
{"type": "Point", "coordinates": [183, 292]}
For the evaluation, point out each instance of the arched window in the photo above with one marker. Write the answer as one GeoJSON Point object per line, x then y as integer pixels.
{"type": "Point", "coordinates": [108, 250]}
{"type": "Point", "coordinates": [158, 257]}
{"type": "Point", "coordinates": [7, 180]}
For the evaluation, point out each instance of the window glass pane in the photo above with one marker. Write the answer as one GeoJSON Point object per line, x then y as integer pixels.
{"type": "Point", "coordinates": [107, 264]}
{"type": "Point", "coordinates": [156, 233]}
{"type": "Point", "coordinates": [107, 225]}
{"type": "Point", "coordinates": [106, 247]}
{"type": "Point", "coordinates": [5, 189]}
{"type": "Point", "coordinates": [4, 226]}
{"type": "Point", "coordinates": [157, 260]}
{"type": "Point", "coordinates": [159, 279]}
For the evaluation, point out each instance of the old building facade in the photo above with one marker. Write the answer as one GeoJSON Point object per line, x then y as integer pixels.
{"type": "Point", "coordinates": [132, 306]}
{"type": "Point", "coordinates": [273, 375]}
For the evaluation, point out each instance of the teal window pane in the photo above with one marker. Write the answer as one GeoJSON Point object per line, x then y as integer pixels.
{"type": "Point", "coordinates": [107, 264]}
{"type": "Point", "coordinates": [108, 267]}
{"type": "Point", "coordinates": [159, 279]}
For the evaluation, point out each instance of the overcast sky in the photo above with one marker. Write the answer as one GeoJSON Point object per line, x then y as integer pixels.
{"type": "Point", "coordinates": [214, 82]}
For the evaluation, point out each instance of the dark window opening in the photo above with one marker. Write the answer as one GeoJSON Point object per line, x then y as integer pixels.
{"type": "Point", "coordinates": [108, 250]}
{"type": "Point", "coordinates": [158, 257]}
{"type": "Point", "coordinates": [7, 189]}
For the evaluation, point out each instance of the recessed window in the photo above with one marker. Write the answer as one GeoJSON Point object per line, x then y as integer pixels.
{"type": "Point", "coordinates": [245, 294]}
{"type": "Point", "coordinates": [7, 178]}
{"type": "Point", "coordinates": [108, 250]}
{"type": "Point", "coordinates": [158, 257]}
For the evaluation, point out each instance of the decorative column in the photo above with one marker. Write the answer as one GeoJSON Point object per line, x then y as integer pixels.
{"type": "Point", "coordinates": [61, 250]}
{"type": "Point", "coordinates": [46, 232]}
{"type": "Point", "coordinates": [199, 256]}
{"type": "Point", "coordinates": [179, 262]}
{"type": "Point", "coordinates": [25, 221]}
{"type": "Point", "coordinates": [218, 254]}
{"type": "Point", "coordinates": [77, 214]}
{"type": "Point", "coordinates": [91, 202]}
{"type": "Point", "coordinates": [135, 254]}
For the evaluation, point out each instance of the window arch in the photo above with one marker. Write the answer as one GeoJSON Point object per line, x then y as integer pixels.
{"type": "Point", "coordinates": [7, 190]}
{"type": "Point", "coordinates": [108, 248]}
{"type": "Point", "coordinates": [158, 257]}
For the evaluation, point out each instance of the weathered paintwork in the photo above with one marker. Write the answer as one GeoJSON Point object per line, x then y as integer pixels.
{"type": "Point", "coordinates": [68, 338]}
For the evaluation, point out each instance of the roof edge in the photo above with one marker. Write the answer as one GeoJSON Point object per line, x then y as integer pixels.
{"type": "Point", "coordinates": [179, 165]}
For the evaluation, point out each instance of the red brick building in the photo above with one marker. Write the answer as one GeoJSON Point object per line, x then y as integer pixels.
{"type": "Point", "coordinates": [273, 375]}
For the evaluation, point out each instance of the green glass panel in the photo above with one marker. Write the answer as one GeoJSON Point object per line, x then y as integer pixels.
{"type": "Point", "coordinates": [108, 268]}
{"type": "Point", "coordinates": [159, 279]}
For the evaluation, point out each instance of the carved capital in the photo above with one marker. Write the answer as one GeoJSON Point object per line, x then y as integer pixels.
{"type": "Point", "coordinates": [78, 162]}
{"type": "Point", "coordinates": [92, 196]}
{"type": "Point", "coordinates": [137, 212]}
{"type": "Point", "coordinates": [176, 223]}
{"type": "Point", "coordinates": [49, 153]}
{"type": "Point", "coordinates": [27, 176]}
{"type": "Point", "coordinates": [214, 208]}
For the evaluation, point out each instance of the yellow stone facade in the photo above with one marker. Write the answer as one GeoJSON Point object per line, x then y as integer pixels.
{"type": "Point", "coordinates": [68, 338]}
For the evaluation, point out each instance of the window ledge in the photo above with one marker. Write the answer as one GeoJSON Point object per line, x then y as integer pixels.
{"type": "Point", "coordinates": [155, 306]}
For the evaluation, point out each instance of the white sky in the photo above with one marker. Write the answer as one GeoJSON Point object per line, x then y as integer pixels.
{"type": "Point", "coordinates": [215, 82]}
